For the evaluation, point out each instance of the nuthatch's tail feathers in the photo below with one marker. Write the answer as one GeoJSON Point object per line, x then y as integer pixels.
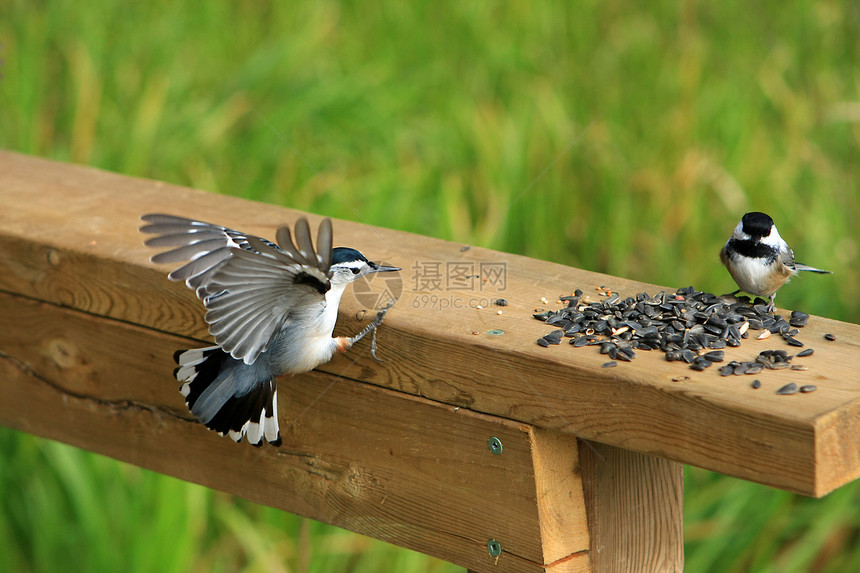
{"type": "Point", "coordinates": [209, 377]}
{"type": "Point", "coordinates": [802, 267]}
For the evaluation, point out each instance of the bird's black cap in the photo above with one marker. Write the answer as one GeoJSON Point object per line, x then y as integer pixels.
{"type": "Point", "coordinates": [346, 255]}
{"type": "Point", "coordinates": [757, 224]}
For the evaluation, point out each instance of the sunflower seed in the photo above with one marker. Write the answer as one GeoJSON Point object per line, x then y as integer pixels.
{"type": "Point", "coordinates": [628, 351]}
{"type": "Point", "coordinates": [756, 384]}
{"type": "Point", "coordinates": [798, 318]}
{"type": "Point", "coordinates": [790, 388]}
{"type": "Point", "coordinates": [682, 324]}
{"type": "Point", "coordinates": [829, 336]}
{"type": "Point", "coordinates": [792, 341]}
{"type": "Point", "coordinates": [573, 330]}
{"type": "Point", "coordinates": [807, 388]}
{"type": "Point", "coordinates": [807, 352]}
{"type": "Point", "coordinates": [761, 309]}
{"type": "Point", "coordinates": [554, 337]}
{"type": "Point", "coordinates": [649, 332]}
{"type": "Point", "coordinates": [554, 319]}
{"type": "Point", "coordinates": [610, 364]}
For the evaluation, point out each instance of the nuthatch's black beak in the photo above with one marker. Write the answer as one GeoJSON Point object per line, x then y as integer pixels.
{"type": "Point", "coordinates": [374, 268]}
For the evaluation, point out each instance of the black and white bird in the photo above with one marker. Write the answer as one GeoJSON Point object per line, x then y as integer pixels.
{"type": "Point", "coordinates": [270, 308]}
{"type": "Point", "coordinates": [759, 259]}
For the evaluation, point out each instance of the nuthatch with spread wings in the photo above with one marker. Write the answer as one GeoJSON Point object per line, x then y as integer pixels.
{"type": "Point", "coordinates": [759, 259]}
{"type": "Point", "coordinates": [270, 308]}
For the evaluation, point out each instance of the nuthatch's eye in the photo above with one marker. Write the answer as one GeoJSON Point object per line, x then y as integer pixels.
{"type": "Point", "coordinates": [355, 271]}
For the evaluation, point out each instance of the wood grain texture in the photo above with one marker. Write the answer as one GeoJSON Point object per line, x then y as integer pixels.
{"type": "Point", "coordinates": [68, 235]}
{"type": "Point", "coordinates": [390, 465]}
{"type": "Point", "coordinates": [635, 510]}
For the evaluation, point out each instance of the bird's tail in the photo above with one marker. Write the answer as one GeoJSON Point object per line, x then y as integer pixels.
{"type": "Point", "coordinates": [224, 394]}
{"type": "Point", "coordinates": [802, 267]}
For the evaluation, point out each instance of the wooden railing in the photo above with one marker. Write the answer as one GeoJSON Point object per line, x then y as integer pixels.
{"type": "Point", "coordinates": [467, 442]}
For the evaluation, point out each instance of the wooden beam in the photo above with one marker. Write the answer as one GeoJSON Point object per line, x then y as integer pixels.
{"type": "Point", "coordinates": [635, 510]}
{"type": "Point", "coordinates": [399, 468]}
{"type": "Point", "coordinates": [68, 236]}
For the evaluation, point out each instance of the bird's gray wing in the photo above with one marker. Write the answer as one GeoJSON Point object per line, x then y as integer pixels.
{"type": "Point", "coordinates": [202, 244]}
{"type": "Point", "coordinates": [786, 255]}
{"type": "Point", "coordinates": [802, 267]}
{"type": "Point", "coordinates": [249, 285]}
{"type": "Point", "coordinates": [253, 294]}
{"type": "Point", "coordinates": [303, 250]}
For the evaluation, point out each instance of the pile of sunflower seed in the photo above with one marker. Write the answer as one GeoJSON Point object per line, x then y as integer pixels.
{"type": "Point", "coordinates": [687, 325]}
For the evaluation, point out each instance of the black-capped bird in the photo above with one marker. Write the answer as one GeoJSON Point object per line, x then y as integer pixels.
{"type": "Point", "coordinates": [759, 259]}
{"type": "Point", "coordinates": [270, 308]}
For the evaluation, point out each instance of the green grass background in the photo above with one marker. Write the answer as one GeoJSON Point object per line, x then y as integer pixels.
{"type": "Point", "coordinates": [617, 136]}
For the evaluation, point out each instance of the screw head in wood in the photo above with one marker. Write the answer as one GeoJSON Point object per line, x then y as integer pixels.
{"type": "Point", "coordinates": [494, 547]}
{"type": "Point", "coordinates": [495, 445]}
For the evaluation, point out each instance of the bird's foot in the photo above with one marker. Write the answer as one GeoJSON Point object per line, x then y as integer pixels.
{"type": "Point", "coordinates": [371, 328]}
{"type": "Point", "coordinates": [379, 318]}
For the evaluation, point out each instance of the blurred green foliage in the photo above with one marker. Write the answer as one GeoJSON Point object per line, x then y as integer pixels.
{"type": "Point", "coordinates": [615, 136]}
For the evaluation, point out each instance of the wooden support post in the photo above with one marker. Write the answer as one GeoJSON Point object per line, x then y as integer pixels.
{"type": "Point", "coordinates": [635, 508]}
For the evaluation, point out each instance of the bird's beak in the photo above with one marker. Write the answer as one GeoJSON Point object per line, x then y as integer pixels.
{"type": "Point", "coordinates": [383, 269]}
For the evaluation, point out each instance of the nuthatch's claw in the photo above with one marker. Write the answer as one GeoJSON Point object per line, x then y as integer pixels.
{"type": "Point", "coordinates": [371, 328]}
{"type": "Point", "coordinates": [373, 346]}
{"type": "Point", "coordinates": [379, 317]}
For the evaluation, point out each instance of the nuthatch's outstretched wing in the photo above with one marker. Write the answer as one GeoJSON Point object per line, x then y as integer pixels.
{"type": "Point", "coordinates": [249, 285]}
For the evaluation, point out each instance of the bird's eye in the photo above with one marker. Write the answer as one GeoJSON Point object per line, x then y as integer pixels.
{"type": "Point", "coordinates": [355, 271]}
